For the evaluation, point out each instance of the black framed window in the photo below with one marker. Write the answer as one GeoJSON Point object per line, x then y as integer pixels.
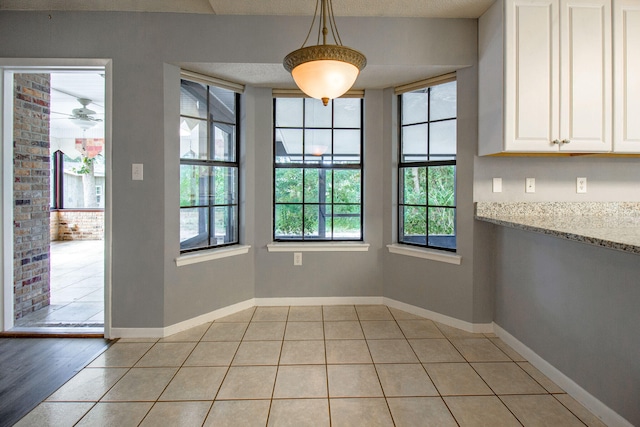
{"type": "Point", "coordinates": [427, 167]}
{"type": "Point", "coordinates": [209, 166]}
{"type": "Point", "coordinates": [317, 169]}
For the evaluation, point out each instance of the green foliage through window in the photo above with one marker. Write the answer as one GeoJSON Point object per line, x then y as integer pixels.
{"type": "Point", "coordinates": [317, 169]}
{"type": "Point", "coordinates": [427, 169]}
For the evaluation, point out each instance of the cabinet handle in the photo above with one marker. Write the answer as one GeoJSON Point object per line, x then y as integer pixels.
{"type": "Point", "coordinates": [555, 141]}
{"type": "Point", "coordinates": [565, 141]}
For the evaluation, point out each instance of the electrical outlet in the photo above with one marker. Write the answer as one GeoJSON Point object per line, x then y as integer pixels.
{"type": "Point", "coordinates": [497, 185]}
{"type": "Point", "coordinates": [581, 185]}
{"type": "Point", "coordinates": [137, 171]}
{"type": "Point", "coordinates": [530, 185]}
{"type": "Point", "coordinates": [297, 258]}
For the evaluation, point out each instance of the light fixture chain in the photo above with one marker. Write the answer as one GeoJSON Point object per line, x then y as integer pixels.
{"type": "Point", "coordinates": [315, 13]}
{"type": "Point", "coordinates": [334, 27]}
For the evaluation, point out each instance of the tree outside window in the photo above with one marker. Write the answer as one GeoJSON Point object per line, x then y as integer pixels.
{"type": "Point", "coordinates": [427, 167]}
{"type": "Point", "coordinates": [317, 169]}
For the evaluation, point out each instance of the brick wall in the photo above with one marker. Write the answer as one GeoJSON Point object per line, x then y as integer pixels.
{"type": "Point", "coordinates": [31, 192]}
{"type": "Point", "coordinates": [77, 225]}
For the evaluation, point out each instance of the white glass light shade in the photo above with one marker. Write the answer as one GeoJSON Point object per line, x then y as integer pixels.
{"type": "Point", "coordinates": [326, 78]}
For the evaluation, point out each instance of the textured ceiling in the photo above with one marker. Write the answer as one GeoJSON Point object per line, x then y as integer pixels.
{"type": "Point", "coordinates": [274, 75]}
{"type": "Point", "coordinates": [396, 8]}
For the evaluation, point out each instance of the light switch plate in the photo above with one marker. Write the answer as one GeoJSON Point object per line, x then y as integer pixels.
{"type": "Point", "coordinates": [497, 185]}
{"type": "Point", "coordinates": [297, 258]}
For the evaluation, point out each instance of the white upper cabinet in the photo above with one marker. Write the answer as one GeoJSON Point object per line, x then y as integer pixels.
{"type": "Point", "coordinates": [545, 77]}
{"type": "Point", "coordinates": [626, 24]}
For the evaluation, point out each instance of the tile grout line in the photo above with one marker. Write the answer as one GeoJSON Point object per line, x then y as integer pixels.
{"type": "Point", "coordinates": [175, 373]}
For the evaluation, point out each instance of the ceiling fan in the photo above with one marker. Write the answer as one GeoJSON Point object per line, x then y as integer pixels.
{"type": "Point", "coordinates": [83, 117]}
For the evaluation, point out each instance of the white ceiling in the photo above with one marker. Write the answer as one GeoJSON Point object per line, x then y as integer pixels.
{"type": "Point", "coordinates": [66, 88]}
{"type": "Point", "coordinates": [395, 8]}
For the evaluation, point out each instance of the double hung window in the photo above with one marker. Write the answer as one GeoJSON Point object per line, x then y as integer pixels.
{"type": "Point", "coordinates": [209, 166]}
{"type": "Point", "coordinates": [317, 170]}
{"type": "Point", "coordinates": [427, 167]}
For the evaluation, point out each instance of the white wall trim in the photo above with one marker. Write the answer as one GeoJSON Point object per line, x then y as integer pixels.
{"type": "Point", "coordinates": [425, 253]}
{"type": "Point", "coordinates": [6, 198]}
{"type": "Point", "coordinates": [196, 257]}
{"type": "Point", "coordinates": [593, 404]}
{"type": "Point", "coordinates": [476, 328]}
{"type": "Point", "coordinates": [181, 326]}
{"type": "Point", "coordinates": [318, 247]}
{"type": "Point", "coordinates": [261, 302]}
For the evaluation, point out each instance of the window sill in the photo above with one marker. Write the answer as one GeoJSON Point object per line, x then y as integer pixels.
{"type": "Point", "coordinates": [212, 254]}
{"type": "Point", "coordinates": [318, 247]}
{"type": "Point", "coordinates": [434, 255]}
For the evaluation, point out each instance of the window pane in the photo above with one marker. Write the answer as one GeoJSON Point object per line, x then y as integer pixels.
{"type": "Point", "coordinates": [224, 229]}
{"type": "Point", "coordinates": [346, 184]}
{"type": "Point", "coordinates": [289, 112]}
{"type": "Point", "coordinates": [194, 223]}
{"type": "Point", "coordinates": [222, 105]}
{"type": "Point", "coordinates": [442, 227]}
{"type": "Point", "coordinates": [442, 185]}
{"type": "Point", "coordinates": [288, 185]}
{"type": "Point", "coordinates": [414, 107]}
{"type": "Point", "coordinates": [346, 113]}
{"type": "Point", "coordinates": [346, 146]}
{"type": "Point", "coordinates": [443, 101]}
{"type": "Point", "coordinates": [288, 145]}
{"type": "Point", "coordinates": [347, 222]}
{"type": "Point", "coordinates": [317, 221]}
{"type": "Point", "coordinates": [194, 185]}
{"type": "Point", "coordinates": [414, 186]}
{"type": "Point", "coordinates": [442, 140]}
{"type": "Point", "coordinates": [316, 115]}
{"type": "Point", "coordinates": [414, 143]}
{"type": "Point", "coordinates": [193, 139]}
{"type": "Point", "coordinates": [317, 186]}
{"type": "Point", "coordinates": [193, 99]}
{"type": "Point", "coordinates": [224, 142]}
{"type": "Point", "coordinates": [414, 225]}
{"type": "Point", "coordinates": [317, 143]}
{"type": "Point", "coordinates": [226, 186]}
{"type": "Point", "coordinates": [288, 221]}
{"type": "Point", "coordinates": [72, 183]}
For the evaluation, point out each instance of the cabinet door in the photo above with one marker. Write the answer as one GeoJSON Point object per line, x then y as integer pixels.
{"type": "Point", "coordinates": [531, 75]}
{"type": "Point", "coordinates": [585, 69]}
{"type": "Point", "coordinates": [626, 95]}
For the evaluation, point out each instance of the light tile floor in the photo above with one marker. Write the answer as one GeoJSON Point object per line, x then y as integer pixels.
{"type": "Point", "coordinates": [77, 287]}
{"type": "Point", "coordinates": [312, 366]}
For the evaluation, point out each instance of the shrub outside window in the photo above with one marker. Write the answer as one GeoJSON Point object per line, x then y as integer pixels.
{"type": "Point", "coordinates": [209, 167]}
{"type": "Point", "coordinates": [317, 170]}
{"type": "Point", "coordinates": [427, 167]}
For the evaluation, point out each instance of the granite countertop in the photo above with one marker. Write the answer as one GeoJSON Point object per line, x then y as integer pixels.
{"type": "Point", "coordinates": [613, 225]}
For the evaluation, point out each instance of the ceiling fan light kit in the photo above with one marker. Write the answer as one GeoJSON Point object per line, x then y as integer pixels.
{"type": "Point", "coordinates": [82, 116]}
{"type": "Point", "coordinates": [325, 71]}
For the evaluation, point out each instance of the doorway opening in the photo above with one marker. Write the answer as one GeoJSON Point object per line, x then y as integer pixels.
{"type": "Point", "coordinates": [59, 198]}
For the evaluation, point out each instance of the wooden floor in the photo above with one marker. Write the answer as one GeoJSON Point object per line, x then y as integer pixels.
{"type": "Point", "coordinates": [33, 368]}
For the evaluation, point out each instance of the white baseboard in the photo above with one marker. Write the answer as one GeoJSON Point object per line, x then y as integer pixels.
{"type": "Point", "coordinates": [182, 326]}
{"type": "Point", "coordinates": [478, 328]}
{"type": "Point", "coordinates": [261, 302]}
{"type": "Point", "coordinates": [610, 417]}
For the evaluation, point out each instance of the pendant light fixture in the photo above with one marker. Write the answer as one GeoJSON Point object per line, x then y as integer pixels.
{"type": "Point", "coordinates": [325, 71]}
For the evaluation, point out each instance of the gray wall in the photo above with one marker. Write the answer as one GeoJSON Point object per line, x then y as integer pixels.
{"type": "Point", "coordinates": [453, 290]}
{"type": "Point", "coordinates": [608, 179]}
{"type": "Point", "coordinates": [148, 290]}
{"type": "Point", "coordinates": [576, 306]}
